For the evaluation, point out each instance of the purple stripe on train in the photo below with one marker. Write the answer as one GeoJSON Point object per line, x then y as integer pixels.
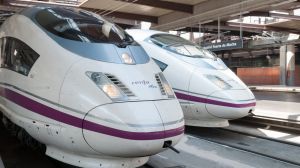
{"type": "Point", "coordinates": [133, 135]}
{"type": "Point", "coordinates": [210, 101]}
{"type": "Point", "coordinates": [54, 114]}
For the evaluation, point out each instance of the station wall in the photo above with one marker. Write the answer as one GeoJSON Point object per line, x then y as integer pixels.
{"type": "Point", "coordinates": [264, 75]}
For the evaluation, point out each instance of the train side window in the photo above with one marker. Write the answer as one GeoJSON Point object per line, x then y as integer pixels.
{"type": "Point", "coordinates": [161, 65]}
{"type": "Point", "coordinates": [17, 56]}
{"type": "Point", "coordinates": [5, 49]}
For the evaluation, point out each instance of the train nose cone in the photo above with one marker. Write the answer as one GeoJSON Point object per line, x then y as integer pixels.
{"type": "Point", "coordinates": [231, 104]}
{"type": "Point", "coordinates": [132, 129]}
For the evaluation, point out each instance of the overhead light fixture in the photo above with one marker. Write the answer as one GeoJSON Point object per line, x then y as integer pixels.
{"type": "Point", "coordinates": [279, 12]}
{"type": "Point", "coordinates": [293, 36]}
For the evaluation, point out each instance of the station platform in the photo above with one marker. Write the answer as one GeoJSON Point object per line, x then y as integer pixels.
{"type": "Point", "coordinates": [281, 104]}
{"type": "Point", "coordinates": [276, 116]}
{"type": "Point", "coordinates": [277, 101]}
{"type": "Point", "coordinates": [275, 88]}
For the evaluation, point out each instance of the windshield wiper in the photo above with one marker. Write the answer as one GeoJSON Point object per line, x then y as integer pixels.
{"type": "Point", "coordinates": [128, 40]}
{"type": "Point", "coordinates": [172, 44]}
{"type": "Point", "coordinates": [124, 44]}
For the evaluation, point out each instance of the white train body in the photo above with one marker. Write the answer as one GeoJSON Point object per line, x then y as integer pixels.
{"type": "Point", "coordinates": [92, 104]}
{"type": "Point", "coordinates": [210, 93]}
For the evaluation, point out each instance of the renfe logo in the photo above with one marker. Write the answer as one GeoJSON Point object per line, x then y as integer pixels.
{"type": "Point", "coordinates": [144, 83]}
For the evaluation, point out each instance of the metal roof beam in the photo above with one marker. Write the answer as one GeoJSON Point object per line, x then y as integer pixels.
{"type": "Point", "coordinates": [210, 10]}
{"type": "Point", "coordinates": [290, 17]}
{"type": "Point", "coordinates": [215, 31]}
{"type": "Point", "coordinates": [163, 4]}
{"type": "Point", "coordinates": [250, 28]}
{"type": "Point", "coordinates": [125, 15]}
{"type": "Point", "coordinates": [213, 28]}
{"type": "Point", "coordinates": [264, 27]}
{"type": "Point", "coordinates": [275, 15]}
{"type": "Point", "coordinates": [131, 16]}
{"type": "Point", "coordinates": [8, 8]}
{"type": "Point", "coordinates": [25, 3]}
{"type": "Point", "coordinates": [257, 13]}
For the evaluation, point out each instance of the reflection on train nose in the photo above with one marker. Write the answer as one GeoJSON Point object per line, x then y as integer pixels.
{"type": "Point", "coordinates": [230, 104]}
{"type": "Point", "coordinates": [143, 135]}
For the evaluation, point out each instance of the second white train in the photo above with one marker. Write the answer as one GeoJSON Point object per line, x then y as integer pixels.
{"type": "Point", "coordinates": [210, 93]}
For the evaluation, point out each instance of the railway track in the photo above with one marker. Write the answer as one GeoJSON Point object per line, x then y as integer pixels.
{"type": "Point", "coordinates": [286, 124]}
{"type": "Point", "coordinates": [281, 151]}
{"type": "Point", "coordinates": [261, 136]}
{"type": "Point", "coordinates": [220, 139]}
{"type": "Point", "coordinates": [291, 127]}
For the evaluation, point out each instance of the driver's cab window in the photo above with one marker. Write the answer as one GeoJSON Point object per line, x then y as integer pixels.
{"type": "Point", "coordinates": [17, 56]}
{"type": "Point", "coordinates": [180, 46]}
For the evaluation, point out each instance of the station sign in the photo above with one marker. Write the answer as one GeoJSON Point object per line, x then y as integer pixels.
{"type": "Point", "coordinates": [227, 45]}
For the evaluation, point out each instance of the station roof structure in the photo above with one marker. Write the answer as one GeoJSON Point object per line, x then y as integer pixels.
{"type": "Point", "coordinates": [168, 15]}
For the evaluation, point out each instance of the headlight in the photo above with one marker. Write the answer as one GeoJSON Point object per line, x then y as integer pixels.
{"type": "Point", "coordinates": [164, 85]}
{"type": "Point", "coordinates": [218, 81]}
{"type": "Point", "coordinates": [107, 86]}
{"type": "Point", "coordinates": [127, 59]}
{"type": "Point", "coordinates": [111, 90]}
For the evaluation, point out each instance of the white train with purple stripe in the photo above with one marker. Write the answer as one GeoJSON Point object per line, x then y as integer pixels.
{"type": "Point", "coordinates": [210, 93]}
{"type": "Point", "coordinates": [84, 88]}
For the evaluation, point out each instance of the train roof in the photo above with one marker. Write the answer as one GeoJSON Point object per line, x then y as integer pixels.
{"type": "Point", "coordinates": [143, 34]}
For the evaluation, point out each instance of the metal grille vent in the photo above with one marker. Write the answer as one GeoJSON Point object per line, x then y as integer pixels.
{"type": "Point", "coordinates": [122, 87]}
{"type": "Point", "coordinates": [162, 90]}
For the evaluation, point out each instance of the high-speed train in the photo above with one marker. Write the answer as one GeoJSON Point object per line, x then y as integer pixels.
{"type": "Point", "coordinates": [210, 93]}
{"type": "Point", "coordinates": [85, 89]}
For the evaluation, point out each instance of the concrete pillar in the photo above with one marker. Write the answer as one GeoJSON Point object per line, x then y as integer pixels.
{"type": "Point", "coordinates": [287, 65]}
{"type": "Point", "coordinates": [192, 36]}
